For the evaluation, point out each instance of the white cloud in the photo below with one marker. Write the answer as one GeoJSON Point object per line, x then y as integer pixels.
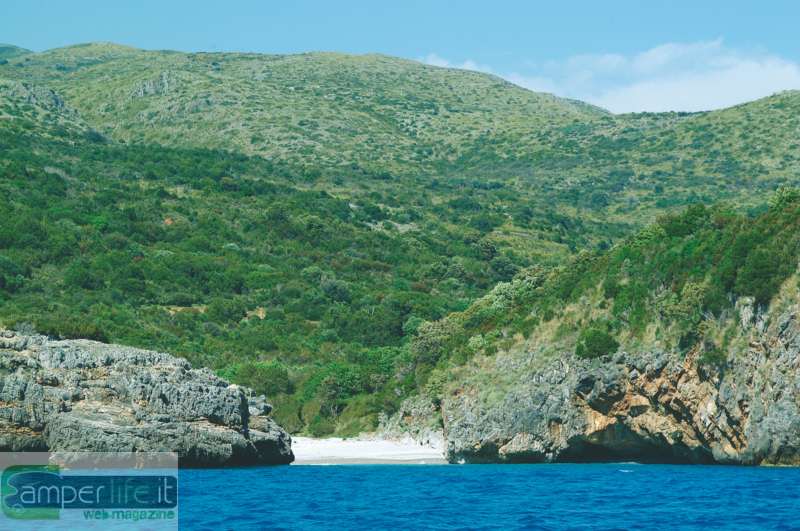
{"type": "Point", "coordinates": [671, 77]}
{"type": "Point", "coordinates": [538, 84]}
{"type": "Point", "coordinates": [738, 82]}
{"type": "Point", "coordinates": [436, 60]}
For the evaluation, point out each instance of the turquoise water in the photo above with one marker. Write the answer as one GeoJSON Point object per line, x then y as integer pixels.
{"type": "Point", "coordinates": [568, 496]}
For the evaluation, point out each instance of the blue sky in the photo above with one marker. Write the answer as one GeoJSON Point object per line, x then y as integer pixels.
{"type": "Point", "coordinates": [623, 55]}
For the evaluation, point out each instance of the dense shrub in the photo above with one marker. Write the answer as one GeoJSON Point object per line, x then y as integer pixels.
{"type": "Point", "coordinates": [11, 275]}
{"type": "Point", "coordinates": [594, 342]}
{"type": "Point", "coordinates": [269, 378]}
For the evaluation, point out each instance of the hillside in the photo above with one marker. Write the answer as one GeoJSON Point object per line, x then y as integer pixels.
{"type": "Point", "coordinates": [338, 118]}
{"type": "Point", "coordinates": [669, 286]}
{"type": "Point", "coordinates": [661, 348]}
{"type": "Point", "coordinates": [322, 106]}
{"type": "Point", "coordinates": [27, 107]}
{"type": "Point", "coordinates": [224, 259]}
{"type": "Point", "coordinates": [291, 221]}
{"type": "Point", "coordinates": [7, 51]}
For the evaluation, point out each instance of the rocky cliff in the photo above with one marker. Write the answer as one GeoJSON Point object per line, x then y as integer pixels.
{"type": "Point", "coordinates": [647, 405]}
{"type": "Point", "coordinates": [83, 395]}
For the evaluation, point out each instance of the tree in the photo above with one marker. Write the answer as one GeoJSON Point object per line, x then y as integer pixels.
{"type": "Point", "coordinates": [762, 274]}
{"type": "Point", "coordinates": [594, 342]}
{"type": "Point", "coordinates": [265, 377]}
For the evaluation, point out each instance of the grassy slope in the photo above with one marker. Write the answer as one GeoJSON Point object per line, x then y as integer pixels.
{"type": "Point", "coordinates": [376, 111]}
{"type": "Point", "coordinates": [8, 51]}
{"type": "Point", "coordinates": [401, 119]}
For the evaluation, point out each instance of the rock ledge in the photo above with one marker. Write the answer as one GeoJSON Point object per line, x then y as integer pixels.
{"type": "Point", "coordinates": [80, 395]}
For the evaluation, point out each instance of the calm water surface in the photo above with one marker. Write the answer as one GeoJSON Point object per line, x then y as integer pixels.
{"type": "Point", "coordinates": [565, 496]}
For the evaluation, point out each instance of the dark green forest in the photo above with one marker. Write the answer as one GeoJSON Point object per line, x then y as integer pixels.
{"type": "Point", "coordinates": [231, 262]}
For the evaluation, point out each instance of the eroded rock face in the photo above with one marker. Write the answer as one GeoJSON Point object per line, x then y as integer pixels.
{"type": "Point", "coordinates": [83, 395]}
{"type": "Point", "coordinates": [34, 95]}
{"type": "Point", "coordinates": [649, 406]}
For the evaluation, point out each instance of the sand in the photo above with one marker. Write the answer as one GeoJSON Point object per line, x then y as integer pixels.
{"type": "Point", "coordinates": [364, 450]}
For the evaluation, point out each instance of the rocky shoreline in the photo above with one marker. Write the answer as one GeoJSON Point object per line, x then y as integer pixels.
{"type": "Point", "coordinates": [650, 406]}
{"type": "Point", "coordinates": [80, 395]}
{"type": "Point", "coordinates": [647, 406]}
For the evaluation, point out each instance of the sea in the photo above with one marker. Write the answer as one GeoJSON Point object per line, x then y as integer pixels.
{"type": "Point", "coordinates": [544, 496]}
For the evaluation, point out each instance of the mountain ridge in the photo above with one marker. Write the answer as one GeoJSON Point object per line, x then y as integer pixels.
{"type": "Point", "coordinates": [110, 46]}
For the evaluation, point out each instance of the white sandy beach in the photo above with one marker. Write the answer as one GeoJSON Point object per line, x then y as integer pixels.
{"type": "Point", "coordinates": [364, 450]}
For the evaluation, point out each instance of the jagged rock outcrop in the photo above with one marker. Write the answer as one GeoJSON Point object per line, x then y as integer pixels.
{"type": "Point", "coordinates": [157, 86]}
{"type": "Point", "coordinates": [80, 395]}
{"type": "Point", "coordinates": [417, 418]}
{"type": "Point", "coordinates": [649, 406]}
{"type": "Point", "coordinates": [34, 95]}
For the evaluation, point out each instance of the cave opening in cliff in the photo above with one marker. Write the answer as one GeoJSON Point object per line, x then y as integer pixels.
{"type": "Point", "coordinates": [619, 443]}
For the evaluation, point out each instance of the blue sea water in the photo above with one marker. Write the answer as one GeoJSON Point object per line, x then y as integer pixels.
{"type": "Point", "coordinates": [562, 496]}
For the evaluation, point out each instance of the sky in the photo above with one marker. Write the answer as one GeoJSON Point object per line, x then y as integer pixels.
{"type": "Point", "coordinates": [623, 55]}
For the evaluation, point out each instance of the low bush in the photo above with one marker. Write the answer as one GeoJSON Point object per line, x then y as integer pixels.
{"type": "Point", "coordinates": [594, 342]}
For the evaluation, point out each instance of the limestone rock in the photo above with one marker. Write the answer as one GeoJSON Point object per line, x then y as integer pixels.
{"type": "Point", "coordinates": [648, 406]}
{"type": "Point", "coordinates": [83, 395]}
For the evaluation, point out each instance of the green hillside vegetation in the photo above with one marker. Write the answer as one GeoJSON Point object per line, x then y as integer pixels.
{"type": "Point", "coordinates": [345, 123]}
{"type": "Point", "coordinates": [37, 109]}
{"type": "Point", "coordinates": [8, 52]}
{"type": "Point", "coordinates": [683, 283]}
{"type": "Point", "coordinates": [229, 260]}
{"type": "Point", "coordinates": [317, 226]}
{"type": "Point", "coordinates": [339, 116]}
{"type": "Point", "coordinates": [314, 109]}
